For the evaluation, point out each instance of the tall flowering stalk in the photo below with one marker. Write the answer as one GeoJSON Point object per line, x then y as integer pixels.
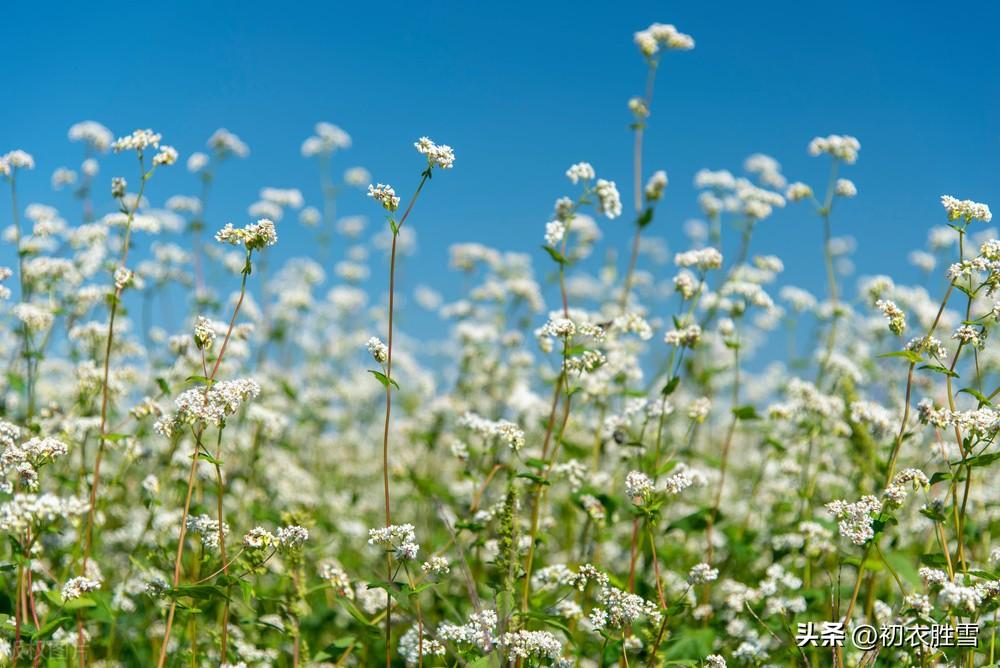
{"type": "Point", "coordinates": [10, 164]}
{"type": "Point", "coordinates": [443, 157]}
{"type": "Point", "coordinates": [649, 41]}
{"type": "Point", "coordinates": [140, 142]}
{"type": "Point", "coordinates": [198, 409]}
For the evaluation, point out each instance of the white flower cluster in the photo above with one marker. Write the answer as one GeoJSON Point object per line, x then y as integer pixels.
{"type": "Point", "coordinates": [14, 160]}
{"type": "Point", "coordinates": [384, 195]}
{"type": "Point", "coordinates": [703, 258]}
{"type": "Point", "coordinates": [686, 337]}
{"type": "Point", "coordinates": [208, 529]}
{"type": "Point", "coordinates": [225, 144]}
{"type": "Point", "coordinates": [413, 648]}
{"type": "Point", "coordinates": [620, 609]}
{"type": "Point", "coordinates": [656, 185]}
{"type": "Point", "coordinates": [77, 587]}
{"type": "Point", "coordinates": [92, 133]}
{"type": "Point", "coordinates": [328, 138]}
{"type": "Point", "coordinates": [894, 314]}
{"type": "Point", "coordinates": [378, 350]}
{"type": "Point", "coordinates": [505, 430]}
{"type": "Point", "coordinates": [222, 400]}
{"type": "Point", "coordinates": [554, 231]}
{"type": "Point", "coordinates": [702, 574]}
{"type": "Point", "coordinates": [581, 171]}
{"type": "Point", "coordinates": [666, 35]}
{"type": "Point", "coordinates": [139, 140]}
{"type": "Point", "coordinates": [895, 493]}
{"type": "Point", "coordinates": [966, 209]}
{"type": "Point", "coordinates": [524, 644]}
{"type": "Point", "coordinates": [842, 147]}
{"type": "Point", "coordinates": [437, 155]}
{"type": "Point", "coordinates": [638, 486]}
{"type": "Point", "coordinates": [856, 519]}
{"type": "Point", "coordinates": [24, 511]}
{"type": "Point", "coordinates": [400, 537]}
{"type": "Point", "coordinates": [609, 202]}
{"type": "Point", "coordinates": [254, 236]}
{"type": "Point", "coordinates": [25, 459]}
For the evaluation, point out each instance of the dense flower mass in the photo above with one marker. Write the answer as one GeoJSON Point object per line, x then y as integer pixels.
{"type": "Point", "coordinates": [626, 448]}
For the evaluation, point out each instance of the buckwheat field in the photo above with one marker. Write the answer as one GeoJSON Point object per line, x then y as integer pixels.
{"type": "Point", "coordinates": [211, 458]}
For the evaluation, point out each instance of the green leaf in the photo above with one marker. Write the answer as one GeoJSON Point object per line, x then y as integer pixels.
{"type": "Point", "coordinates": [202, 380]}
{"type": "Point", "coordinates": [936, 560]}
{"type": "Point", "coordinates": [555, 255]}
{"type": "Point", "coordinates": [747, 412]}
{"type": "Point", "coordinates": [913, 357]}
{"type": "Point", "coordinates": [162, 384]}
{"type": "Point", "coordinates": [937, 368]}
{"type": "Point", "coordinates": [209, 458]}
{"type": "Point", "coordinates": [533, 476]}
{"type": "Point", "coordinates": [645, 218]}
{"type": "Point", "coordinates": [983, 401]}
{"type": "Point", "coordinates": [671, 385]}
{"type": "Point", "coordinates": [383, 379]}
{"type": "Point", "coordinates": [114, 438]}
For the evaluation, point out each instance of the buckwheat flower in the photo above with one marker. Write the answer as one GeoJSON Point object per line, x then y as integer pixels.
{"type": "Point", "coordinates": [681, 480]}
{"type": "Point", "coordinates": [283, 197]}
{"type": "Point", "coordinates": [554, 231]}
{"type": "Point", "coordinates": [966, 209]}
{"type": "Point", "coordinates": [686, 337]}
{"type": "Point", "coordinates": [703, 258]}
{"type": "Point", "coordinates": [167, 155]}
{"type": "Point", "coordinates": [137, 141]}
{"type": "Point", "coordinates": [638, 486]}
{"type": "Point", "coordinates": [638, 106]}
{"type": "Point", "coordinates": [958, 598]}
{"type": "Point", "coordinates": [970, 335]}
{"type": "Point", "coordinates": [414, 648]}
{"type": "Point", "coordinates": [856, 519]}
{"type": "Point", "coordinates": [929, 345]}
{"type": "Point", "coordinates": [656, 185]}
{"type": "Point", "coordinates": [291, 537]}
{"type": "Point", "coordinates": [204, 333]}
{"type": "Point", "coordinates": [845, 188]}
{"type": "Point", "coordinates": [258, 538]}
{"type": "Point", "coordinates": [36, 318]}
{"type": "Point", "coordinates": [196, 162]}
{"type": "Point", "coordinates": [63, 177]}
{"type": "Point", "coordinates": [531, 644]}
{"type": "Point", "coordinates": [608, 200]}
{"type": "Point", "coordinates": [15, 160]}
{"type": "Point", "coordinates": [384, 195]}
{"type": "Point", "coordinates": [686, 284]}
{"type": "Point", "coordinates": [437, 155]}
{"type": "Point", "coordinates": [699, 408]}
{"type": "Point", "coordinates": [895, 315]}
{"type": "Point", "coordinates": [225, 144]}
{"type": "Point", "coordinates": [379, 351]}
{"type": "Point", "coordinates": [581, 171]}
{"type": "Point", "coordinates": [77, 587]}
{"type": "Point", "coordinates": [93, 133]}
{"type": "Point", "coordinates": [119, 187]}
{"type": "Point", "coordinates": [798, 191]}
{"type": "Point", "coordinates": [221, 401]}
{"type": "Point", "coordinates": [842, 147]}
{"type": "Point", "coordinates": [436, 566]}
{"type": "Point", "coordinates": [715, 661]}
{"type": "Point", "coordinates": [702, 574]}
{"type": "Point", "coordinates": [254, 236]}
{"type": "Point", "coordinates": [123, 277]}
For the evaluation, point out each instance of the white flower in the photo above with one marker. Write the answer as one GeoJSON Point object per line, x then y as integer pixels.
{"type": "Point", "coordinates": [437, 156]}
{"type": "Point", "coordinates": [842, 147]}
{"type": "Point", "coordinates": [581, 171]}
{"type": "Point", "coordinates": [379, 351]}
{"type": "Point", "coordinates": [554, 231]}
{"type": "Point", "coordinates": [77, 587]}
{"type": "Point", "coordinates": [137, 141]}
{"type": "Point", "coordinates": [254, 236]}
{"type": "Point", "coordinates": [384, 195]}
{"type": "Point", "coordinates": [966, 209]}
{"type": "Point", "coordinates": [845, 188]}
{"type": "Point", "coordinates": [609, 201]}
{"type": "Point", "coordinates": [656, 185]}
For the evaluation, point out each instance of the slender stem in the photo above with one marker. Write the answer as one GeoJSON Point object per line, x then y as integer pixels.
{"type": "Point", "coordinates": [388, 405]}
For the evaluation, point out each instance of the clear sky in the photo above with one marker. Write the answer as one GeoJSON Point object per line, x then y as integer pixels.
{"type": "Point", "coordinates": [521, 90]}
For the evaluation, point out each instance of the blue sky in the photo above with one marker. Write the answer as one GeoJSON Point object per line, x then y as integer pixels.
{"type": "Point", "coordinates": [521, 90]}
